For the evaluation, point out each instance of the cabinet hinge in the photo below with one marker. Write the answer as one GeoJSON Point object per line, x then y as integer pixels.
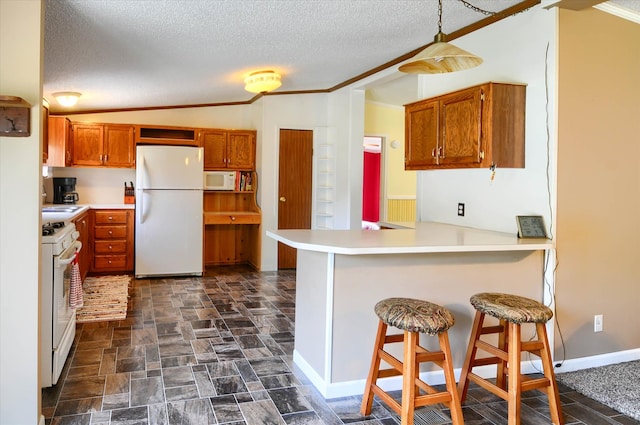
{"type": "Point", "coordinates": [481, 155]}
{"type": "Point", "coordinates": [482, 96]}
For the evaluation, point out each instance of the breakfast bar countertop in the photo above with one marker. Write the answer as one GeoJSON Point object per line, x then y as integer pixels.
{"type": "Point", "coordinates": [425, 237]}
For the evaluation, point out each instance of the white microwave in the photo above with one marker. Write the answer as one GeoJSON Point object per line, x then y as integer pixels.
{"type": "Point", "coordinates": [220, 180]}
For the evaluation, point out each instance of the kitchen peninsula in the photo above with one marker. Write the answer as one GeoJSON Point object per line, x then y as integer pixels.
{"type": "Point", "coordinates": [342, 274]}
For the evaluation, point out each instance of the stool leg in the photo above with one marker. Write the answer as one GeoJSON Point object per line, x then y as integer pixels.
{"type": "Point", "coordinates": [552, 390]}
{"type": "Point", "coordinates": [515, 380]}
{"type": "Point", "coordinates": [409, 372]}
{"type": "Point", "coordinates": [372, 378]}
{"type": "Point", "coordinates": [450, 380]}
{"type": "Point", "coordinates": [503, 344]}
{"type": "Point", "coordinates": [463, 384]}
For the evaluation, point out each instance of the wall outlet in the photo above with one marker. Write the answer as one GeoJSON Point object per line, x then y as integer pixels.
{"type": "Point", "coordinates": [597, 323]}
{"type": "Point", "coordinates": [460, 209]}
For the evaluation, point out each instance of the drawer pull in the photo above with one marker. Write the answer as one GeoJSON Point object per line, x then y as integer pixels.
{"type": "Point", "coordinates": [232, 218]}
{"type": "Point", "coordinates": [111, 232]}
{"type": "Point", "coordinates": [110, 218]}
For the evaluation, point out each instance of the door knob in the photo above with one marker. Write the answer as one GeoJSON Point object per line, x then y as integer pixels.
{"type": "Point", "coordinates": [283, 199]}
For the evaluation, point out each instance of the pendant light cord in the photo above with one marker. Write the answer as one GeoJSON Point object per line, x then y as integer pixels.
{"type": "Point", "coordinates": [439, 16]}
{"type": "Point", "coordinates": [487, 12]}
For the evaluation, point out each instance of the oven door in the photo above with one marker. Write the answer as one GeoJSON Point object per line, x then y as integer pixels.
{"type": "Point", "coordinates": [64, 317]}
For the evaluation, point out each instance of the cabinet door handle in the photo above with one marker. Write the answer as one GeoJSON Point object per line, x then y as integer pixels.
{"type": "Point", "coordinates": [283, 199]}
{"type": "Point", "coordinates": [433, 153]}
{"type": "Point", "coordinates": [441, 152]}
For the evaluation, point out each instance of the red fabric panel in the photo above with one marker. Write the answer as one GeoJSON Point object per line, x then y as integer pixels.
{"type": "Point", "coordinates": [371, 187]}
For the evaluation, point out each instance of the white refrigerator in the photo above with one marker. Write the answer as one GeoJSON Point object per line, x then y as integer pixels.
{"type": "Point", "coordinates": [169, 181]}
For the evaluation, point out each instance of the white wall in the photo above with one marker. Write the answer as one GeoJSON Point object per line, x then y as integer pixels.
{"type": "Point", "coordinates": [20, 157]}
{"type": "Point", "coordinates": [514, 50]}
{"type": "Point", "coordinates": [298, 112]}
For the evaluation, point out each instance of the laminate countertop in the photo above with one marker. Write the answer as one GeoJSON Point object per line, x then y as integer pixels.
{"type": "Point", "coordinates": [424, 237]}
{"type": "Point", "coordinates": [51, 217]}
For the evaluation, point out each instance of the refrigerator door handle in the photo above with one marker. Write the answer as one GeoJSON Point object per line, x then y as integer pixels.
{"type": "Point", "coordinates": [143, 215]}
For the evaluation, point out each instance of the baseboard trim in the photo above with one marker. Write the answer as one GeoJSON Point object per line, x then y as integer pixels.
{"type": "Point", "coordinates": [580, 363]}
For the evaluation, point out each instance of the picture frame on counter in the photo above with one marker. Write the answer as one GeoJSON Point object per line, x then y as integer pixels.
{"type": "Point", "coordinates": [531, 226]}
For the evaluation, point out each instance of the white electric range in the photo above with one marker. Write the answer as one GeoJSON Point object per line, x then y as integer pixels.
{"type": "Point", "coordinates": [58, 320]}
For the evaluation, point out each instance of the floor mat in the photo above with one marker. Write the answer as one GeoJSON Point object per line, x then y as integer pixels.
{"type": "Point", "coordinates": [105, 298]}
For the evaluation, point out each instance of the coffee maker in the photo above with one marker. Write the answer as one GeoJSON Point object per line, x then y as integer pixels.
{"type": "Point", "coordinates": [64, 190]}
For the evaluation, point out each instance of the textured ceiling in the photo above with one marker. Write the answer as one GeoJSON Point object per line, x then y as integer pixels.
{"type": "Point", "coordinates": [151, 53]}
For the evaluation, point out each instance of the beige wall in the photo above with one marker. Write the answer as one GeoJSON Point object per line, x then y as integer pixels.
{"type": "Point", "coordinates": [388, 121]}
{"type": "Point", "coordinates": [598, 221]}
{"type": "Point", "coordinates": [20, 75]}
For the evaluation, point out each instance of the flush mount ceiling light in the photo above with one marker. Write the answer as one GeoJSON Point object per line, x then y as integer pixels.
{"type": "Point", "coordinates": [262, 81]}
{"type": "Point", "coordinates": [67, 98]}
{"type": "Point", "coordinates": [441, 57]}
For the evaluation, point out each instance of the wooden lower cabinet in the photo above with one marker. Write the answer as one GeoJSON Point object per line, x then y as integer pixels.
{"type": "Point", "coordinates": [84, 257]}
{"type": "Point", "coordinates": [231, 228]}
{"type": "Point", "coordinates": [112, 240]}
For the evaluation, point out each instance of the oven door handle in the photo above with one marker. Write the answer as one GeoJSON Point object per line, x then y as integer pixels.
{"type": "Point", "coordinates": [69, 255]}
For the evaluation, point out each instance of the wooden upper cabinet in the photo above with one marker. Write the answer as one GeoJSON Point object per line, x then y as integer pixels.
{"type": "Point", "coordinates": [59, 136]}
{"type": "Point", "coordinates": [241, 150]}
{"type": "Point", "coordinates": [45, 131]}
{"type": "Point", "coordinates": [224, 149]}
{"type": "Point", "coordinates": [421, 122]}
{"type": "Point", "coordinates": [476, 127]}
{"type": "Point", "coordinates": [214, 143]}
{"type": "Point", "coordinates": [119, 149]}
{"type": "Point", "coordinates": [88, 144]}
{"type": "Point", "coordinates": [103, 145]}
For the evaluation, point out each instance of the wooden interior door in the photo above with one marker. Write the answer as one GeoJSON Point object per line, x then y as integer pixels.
{"type": "Point", "coordinates": [294, 188]}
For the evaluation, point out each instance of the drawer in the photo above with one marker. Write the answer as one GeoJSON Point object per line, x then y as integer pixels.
{"type": "Point", "coordinates": [108, 247]}
{"type": "Point", "coordinates": [111, 216]}
{"type": "Point", "coordinates": [115, 262]}
{"type": "Point", "coordinates": [232, 218]}
{"type": "Point", "coordinates": [110, 232]}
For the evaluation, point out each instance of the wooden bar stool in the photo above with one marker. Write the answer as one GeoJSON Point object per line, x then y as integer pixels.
{"type": "Point", "coordinates": [512, 311]}
{"type": "Point", "coordinates": [413, 317]}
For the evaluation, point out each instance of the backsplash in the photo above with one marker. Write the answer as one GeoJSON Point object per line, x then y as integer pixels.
{"type": "Point", "coordinates": [94, 185]}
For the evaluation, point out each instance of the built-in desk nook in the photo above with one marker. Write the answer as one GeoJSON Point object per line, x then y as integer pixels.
{"type": "Point", "coordinates": [342, 274]}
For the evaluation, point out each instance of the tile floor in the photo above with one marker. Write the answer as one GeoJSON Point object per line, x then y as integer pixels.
{"type": "Point", "coordinates": [218, 350]}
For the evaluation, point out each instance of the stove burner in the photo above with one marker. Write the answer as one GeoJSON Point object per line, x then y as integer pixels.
{"type": "Point", "coordinates": [50, 228]}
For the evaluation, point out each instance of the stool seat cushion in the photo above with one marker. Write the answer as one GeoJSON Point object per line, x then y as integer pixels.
{"type": "Point", "coordinates": [512, 308]}
{"type": "Point", "coordinates": [414, 315]}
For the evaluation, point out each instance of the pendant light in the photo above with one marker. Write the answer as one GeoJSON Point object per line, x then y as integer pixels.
{"type": "Point", "coordinates": [441, 57]}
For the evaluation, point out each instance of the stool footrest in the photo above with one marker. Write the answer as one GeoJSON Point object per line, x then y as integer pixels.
{"type": "Point", "coordinates": [529, 384]}
{"type": "Point", "coordinates": [488, 386]}
{"type": "Point", "coordinates": [532, 346]}
{"type": "Point", "coordinates": [484, 346]}
{"type": "Point", "coordinates": [485, 361]}
{"type": "Point", "coordinates": [427, 399]}
{"type": "Point", "coordinates": [486, 330]}
{"type": "Point", "coordinates": [393, 338]}
{"type": "Point", "coordinates": [388, 400]}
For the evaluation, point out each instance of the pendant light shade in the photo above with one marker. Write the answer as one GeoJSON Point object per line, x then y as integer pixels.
{"type": "Point", "coordinates": [441, 57]}
{"type": "Point", "coordinates": [67, 98]}
{"type": "Point", "coordinates": [262, 81]}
